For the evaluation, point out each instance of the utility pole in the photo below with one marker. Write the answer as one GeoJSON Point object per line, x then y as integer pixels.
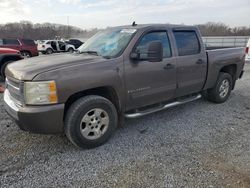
{"type": "Point", "coordinates": [68, 26]}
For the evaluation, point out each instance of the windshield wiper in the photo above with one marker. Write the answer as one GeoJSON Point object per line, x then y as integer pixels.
{"type": "Point", "coordinates": [91, 52]}
{"type": "Point", "coordinates": [107, 57]}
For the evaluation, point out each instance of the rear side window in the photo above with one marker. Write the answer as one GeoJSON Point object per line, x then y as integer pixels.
{"type": "Point", "coordinates": [187, 42]}
{"type": "Point", "coordinates": [1, 41]}
{"type": "Point", "coordinates": [28, 42]}
{"type": "Point", "coordinates": [11, 42]}
{"type": "Point", "coordinates": [161, 36]}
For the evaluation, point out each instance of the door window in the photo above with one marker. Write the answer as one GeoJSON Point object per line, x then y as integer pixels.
{"type": "Point", "coordinates": [142, 47]}
{"type": "Point", "coordinates": [29, 42]}
{"type": "Point", "coordinates": [187, 42]}
{"type": "Point", "coordinates": [11, 42]}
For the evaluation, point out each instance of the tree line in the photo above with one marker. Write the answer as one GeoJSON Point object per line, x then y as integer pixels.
{"type": "Point", "coordinates": [221, 29]}
{"type": "Point", "coordinates": [26, 29]}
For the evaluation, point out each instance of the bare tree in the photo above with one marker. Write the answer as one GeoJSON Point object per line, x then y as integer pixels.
{"type": "Point", "coordinates": [26, 29]}
{"type": "Point", "coordinates": [221, 29]}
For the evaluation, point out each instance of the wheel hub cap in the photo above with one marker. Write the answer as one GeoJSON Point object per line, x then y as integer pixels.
{"type": "Point", "coordinates": [224, 88]}
{"type": "Point", "coordinates": [94, 123]}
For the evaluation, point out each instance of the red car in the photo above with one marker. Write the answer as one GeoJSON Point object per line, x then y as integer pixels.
{"type": "Point", "coordinates": [27, 47]}
{"type": "Point", "coordinates": [7, 56]}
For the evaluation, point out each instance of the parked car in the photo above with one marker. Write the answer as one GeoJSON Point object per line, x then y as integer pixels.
{"type": "Point", "coordinates": [126, 71]}
{"type": "Point", "coordinates": [248, 51]}
{"type": "Point", "coordinates": [53, 46]}
{"type": "Point", "coordinates": [27, 47]}
{"type": "Point", "coordinates": [7, 56]}
{"type": "Point", "coordinates": [75, 42]}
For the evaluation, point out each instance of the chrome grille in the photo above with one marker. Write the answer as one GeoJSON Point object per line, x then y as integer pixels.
{"type": "Point", "coordinates": [15, 88]}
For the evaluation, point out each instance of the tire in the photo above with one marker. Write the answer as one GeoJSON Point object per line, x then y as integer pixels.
{"type": "Point", "coordinates": [70, 50]}
{"type": "Point", "coordinates": [90, 121]}
{"type": "Point", "coordinates": [3, 69]}
{"type": "Point", "coordinates": [222, 89]}
{"type": "Point", "coordinates": [26, 54]}
{"type": "Point", "coordinates": [49, 51]}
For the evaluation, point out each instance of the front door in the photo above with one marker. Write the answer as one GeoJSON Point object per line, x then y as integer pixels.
{"type": "Point", "coordinates": [150, 82]}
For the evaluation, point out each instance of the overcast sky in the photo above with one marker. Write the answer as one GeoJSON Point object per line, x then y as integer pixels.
{"type": "Point", "coordinates": [103, 13]}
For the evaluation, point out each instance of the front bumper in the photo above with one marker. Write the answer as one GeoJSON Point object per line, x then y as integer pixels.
{"type": "Point", "coordinates": [37, 119]}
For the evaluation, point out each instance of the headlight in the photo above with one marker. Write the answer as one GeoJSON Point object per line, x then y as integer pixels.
{"type": "Point", "coordinates": [37, 93]}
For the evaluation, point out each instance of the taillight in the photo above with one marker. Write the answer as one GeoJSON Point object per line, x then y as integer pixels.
{"type": "Point", "coordinates": [247, 50]}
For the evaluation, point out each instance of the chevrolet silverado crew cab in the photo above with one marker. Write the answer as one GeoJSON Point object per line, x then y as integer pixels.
{"type": "Point", "coordinates": [127, 71]}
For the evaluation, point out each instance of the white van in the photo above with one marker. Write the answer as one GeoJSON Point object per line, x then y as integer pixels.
{"type": "Point", "coordinates": [248, 51]}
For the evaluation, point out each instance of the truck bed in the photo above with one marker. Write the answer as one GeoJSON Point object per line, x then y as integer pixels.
{"type": "Point", "coordinates": [218, 57]}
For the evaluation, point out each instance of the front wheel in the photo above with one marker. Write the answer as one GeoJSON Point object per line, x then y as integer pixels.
{"type": "Point", "coordinates": [222, 89]}
{"type": "Point", "coordinates": [90, 121]}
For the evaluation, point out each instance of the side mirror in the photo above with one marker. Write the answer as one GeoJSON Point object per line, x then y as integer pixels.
{"type": "Point", "coordinates": [155, 52]}
{"type": "Point", "coordinates": [135, 56]}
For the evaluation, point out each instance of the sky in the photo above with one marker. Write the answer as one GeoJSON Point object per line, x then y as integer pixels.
{"type": "Point", "coordinates": [88, 14]}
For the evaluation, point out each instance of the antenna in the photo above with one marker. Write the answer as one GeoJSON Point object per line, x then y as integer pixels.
{"type": "Point", "coordinates": [134, 24]}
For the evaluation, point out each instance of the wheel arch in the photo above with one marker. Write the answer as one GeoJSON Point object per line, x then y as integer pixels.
{"type": "Point", "coordinates": [6, 58]}
{"type": "Point", "coordinates": [232, 70]}
{"type": "Point", "coordinates": [107, 92]}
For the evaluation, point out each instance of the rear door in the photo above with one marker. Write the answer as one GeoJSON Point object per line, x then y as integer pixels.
{"type": "Point", "coordinates": [150, 82]}
{"type": "Point", "coordinates": [61, 46]}
{"type": "Point", "coordinates": [191, 62]}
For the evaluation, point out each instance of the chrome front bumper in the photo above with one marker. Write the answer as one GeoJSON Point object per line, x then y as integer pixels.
{"type": "Point", "coordinates": [10, 106]}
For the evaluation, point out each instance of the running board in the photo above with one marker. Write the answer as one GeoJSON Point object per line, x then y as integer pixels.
{"type": "Point", "coordinates": [166, 106]}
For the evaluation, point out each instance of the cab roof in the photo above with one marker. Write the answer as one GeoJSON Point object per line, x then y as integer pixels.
{"type": "Point", "coordinates": [148, 26]}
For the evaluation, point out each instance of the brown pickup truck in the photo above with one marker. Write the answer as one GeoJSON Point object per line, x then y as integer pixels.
{"type": "Point", "coordinates": [127, 71]}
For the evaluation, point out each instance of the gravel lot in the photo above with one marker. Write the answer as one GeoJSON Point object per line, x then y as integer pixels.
{"type": "Point", "coordinates": [199, 144]}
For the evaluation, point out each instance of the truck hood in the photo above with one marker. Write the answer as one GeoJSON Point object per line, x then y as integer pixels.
{"type": "Point", "coordinates": [27, 69]}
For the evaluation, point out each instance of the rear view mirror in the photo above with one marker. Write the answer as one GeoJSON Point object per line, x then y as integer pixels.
{"type": "Point", "coordinates": [155, 52]}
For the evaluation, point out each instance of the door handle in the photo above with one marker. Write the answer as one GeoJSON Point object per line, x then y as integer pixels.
{"type": "Point", "coordinates": [200, 61]}
{"type": "Point", "coordinates": [169, 66]}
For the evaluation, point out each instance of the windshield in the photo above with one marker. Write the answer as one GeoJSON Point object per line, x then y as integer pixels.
{"type": "Point", "coordinates": [108, 43]}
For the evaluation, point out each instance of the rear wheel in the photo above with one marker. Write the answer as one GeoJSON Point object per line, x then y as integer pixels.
{"type": "Point", "coordinates": [49, 51]}
{"type": "Point", "coordinates": [222, 89]}
{"type": "Point", "coordinates": [90, 121]}
{"type": "Point", "coordinates": [26, 54]}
